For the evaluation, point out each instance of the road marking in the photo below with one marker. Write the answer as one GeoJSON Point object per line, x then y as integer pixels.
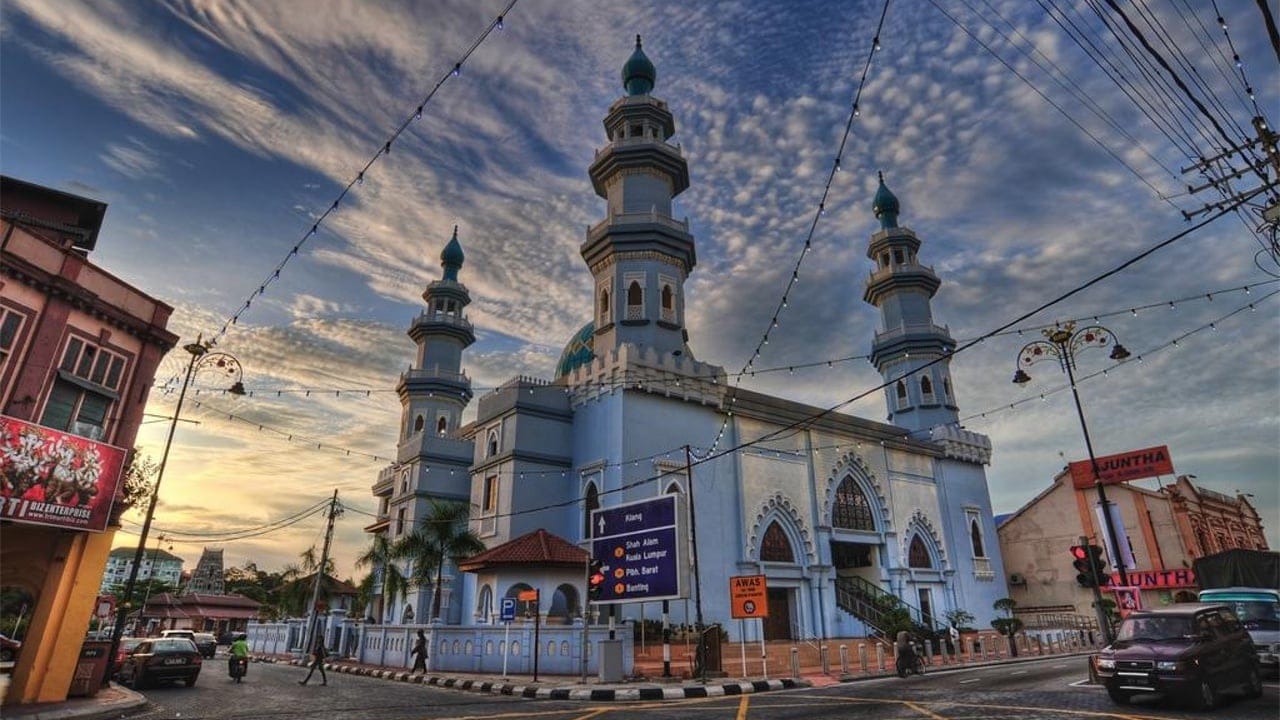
{"type": "Point", "coordinates": [593, 713]}
{"type": "Point", "coordinates": [923, 711]}
{"type": "Point", "coordinates": [962, 682]}
{"type": "Point", "coordinates": [1019, 672]}
{"type": "Point", "coordinates": [1057, 710]}
{"type": "Point", "coordinates": [742, 707]}
{"type": "Point", "coordinates": [1057, 667]}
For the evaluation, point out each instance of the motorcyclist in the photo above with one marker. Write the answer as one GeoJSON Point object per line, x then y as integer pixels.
{"type": "Point", "coordinates": [905, 649]}
{"type": "Point", "coordinates": [239, 653]}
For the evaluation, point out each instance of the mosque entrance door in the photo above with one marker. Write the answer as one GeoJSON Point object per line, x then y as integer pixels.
{"type": "Point", "coordinates": [778, 625]}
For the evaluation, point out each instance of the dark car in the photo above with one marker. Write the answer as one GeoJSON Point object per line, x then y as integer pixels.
{"type": "Point", "coordinates": [9, 648]}
{"type": "Point", "coordinates": [207, 644]}
{"type": "Point", "coordinates": [127, 645]}
{"type": "Point", "coordinates": [1192, 650]}
{"type": "Point", "coordinates": [159, 659]}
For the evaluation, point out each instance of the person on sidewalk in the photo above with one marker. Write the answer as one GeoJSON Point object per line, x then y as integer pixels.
{"type": "Point", "coordinates": [318, 654]}
{"type": "Point", "coordinates": [420, 653]}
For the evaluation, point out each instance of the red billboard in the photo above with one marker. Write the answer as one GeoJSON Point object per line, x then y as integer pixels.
{"type": "Point", "coordinates": [1132, 465]}
{"type": "Point", "coordinates": [52, 478]}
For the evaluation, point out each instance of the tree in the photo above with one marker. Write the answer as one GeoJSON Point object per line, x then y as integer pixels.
{"type": "Point", "coordinates": [381, 557]}
{"type": "Point", "coordinates": [961, 620]}
{"type": "Point", "coordinates": [1007, 625]}
{"type": "Point", "coordinates": [894, 617]}
{"type": "Point", "coordinates": [441, 535]}
{"type": "Point", "coordinates": [136, 481]}
{"type": "Point", "coordinates": [294, 594]}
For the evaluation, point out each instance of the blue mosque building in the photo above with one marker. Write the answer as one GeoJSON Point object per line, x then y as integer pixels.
{"type": "Point", "coordinates": [836, 511]}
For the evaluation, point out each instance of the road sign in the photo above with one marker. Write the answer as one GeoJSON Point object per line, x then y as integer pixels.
{"type": "Point", "coordinates": [641, 548]}
{"type": "Point", "coordinates": [749, 596]}
{"type": "Point", "coordinates": [507, 610]}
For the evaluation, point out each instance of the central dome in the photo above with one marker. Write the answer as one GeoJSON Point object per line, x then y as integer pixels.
{"type": "Point", "coordinates": [579, 351]}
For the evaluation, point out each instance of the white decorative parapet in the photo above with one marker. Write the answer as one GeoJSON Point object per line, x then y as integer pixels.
{"type": "Point", "coordinates": [634, 367]}
{"type": "Point", "coordinates": [962, 444]}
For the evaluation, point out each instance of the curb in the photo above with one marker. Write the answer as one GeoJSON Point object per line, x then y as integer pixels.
{"type": "Point", "coordinates": [577, 692]}
{"type": "Point", "coordinates": [74, 709]}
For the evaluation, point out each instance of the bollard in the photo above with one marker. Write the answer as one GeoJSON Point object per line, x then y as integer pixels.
{"type": "Point", "coordinates": [795, 662]}
{"type": "Point", "coordinates": [862, 656]}
{"type": "Point", "coordinates": [928, 652]}
{"type": "Point", "coordinates": [973, 648]}
{"type": "Point", "coordinates": [844, 659]}
{"type": "Point", "coordinates": [879, 656]}
{"type": "Point", "coordinates": [826, 659]}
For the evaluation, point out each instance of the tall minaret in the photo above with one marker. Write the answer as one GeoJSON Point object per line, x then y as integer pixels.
{"type": "Point", "coordinates": [918, 399]}
{"type": "Point", "coordinates": [639, 254]}
{"type": "Point", "coordinates": [434, 391]}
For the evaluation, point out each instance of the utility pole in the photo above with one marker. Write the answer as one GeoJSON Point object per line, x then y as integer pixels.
{"type": "Point", "coordinates": [697, 583]}
{"type": "Point", "coordinates": [313, 614]}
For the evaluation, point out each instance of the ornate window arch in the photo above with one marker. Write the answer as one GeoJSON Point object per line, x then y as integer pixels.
{"type": "Point", "coordinates": [590, 502]}
{"type": "Point", "coordinates": [484, 605]}
{"type": "Point", "coordinates": [775, 546]}
{"type": "Point", "coordinates": [926, 386]}
{"type": "Point", "coordinates": [920, 530]}
{"type": "Point", "coordinates": [852, 510]}
{"type": "Point", "coordinates": [417, 423]}
{"type": "Point", "coordinates": [975, 538]}
{"type": "Point", "coordinates": [604, 304]}
{"type": "Point", "coordinates": [918, 554]}
{"type": "Point", "coordinates": [491, 445]}
{"type": "Point", "coordinates": [635, 300]}
{"type": "Point", "coordinates": [853, 469]}
{"type": "Point", "coordinates": [442, 425]}
{"type": "Point", "coordinates": [779, 510]}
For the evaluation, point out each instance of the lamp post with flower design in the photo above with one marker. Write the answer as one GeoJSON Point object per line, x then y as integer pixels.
{"type": "Point", "coordinates": [1062, 343]}
{"type": "Point", "coordinates": [229, 367]}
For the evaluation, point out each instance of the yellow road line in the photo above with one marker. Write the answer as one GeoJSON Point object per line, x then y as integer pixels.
{"type": "Point", "coordinates": [989, 706]}
{"type": "Point", "coordinates": [923, 711]}
{"type": "Point", "coordinates": [593, 713]}
{"type": "Point", "coordinates": [742, 707]}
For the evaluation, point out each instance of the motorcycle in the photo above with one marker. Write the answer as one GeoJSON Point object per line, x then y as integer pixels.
{"type": "Point", "coordinates": [910, 663]}
{"type": "Point", "coordinates": [237, 667]}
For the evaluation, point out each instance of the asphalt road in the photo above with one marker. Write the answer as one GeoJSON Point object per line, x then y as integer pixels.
{"type": "Point", "coordinates": [1050, 689]}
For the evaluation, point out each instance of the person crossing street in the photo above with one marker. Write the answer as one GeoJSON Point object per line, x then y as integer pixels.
{"type": "Point", "coordinates": [318, 654]}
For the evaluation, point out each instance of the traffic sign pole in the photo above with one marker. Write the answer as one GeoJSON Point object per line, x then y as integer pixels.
{"type": "Point", "coordinates": [693, 541]}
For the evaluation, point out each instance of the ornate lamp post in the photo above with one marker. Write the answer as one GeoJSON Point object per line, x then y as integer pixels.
{"type": "Point", "coordinates": [201, 359]}
{"type": "Point", "coordinates": [1062, 344]}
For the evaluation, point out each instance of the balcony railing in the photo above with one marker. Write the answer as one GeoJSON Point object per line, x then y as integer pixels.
{"type": "Point", "coordinates": [433, 316]}
{"type": "Point", "coordinates": [916, 329]}
{"type": "Point", "coordinates": [434, 373]}
{"type": "Point", "coordinates": [638, 218]}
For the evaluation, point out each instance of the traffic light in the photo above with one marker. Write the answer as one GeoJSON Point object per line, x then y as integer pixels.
{"type": "Point", "coordinates": [1089, 564]}
{"type": "Point", "coordinates": [595, 579]}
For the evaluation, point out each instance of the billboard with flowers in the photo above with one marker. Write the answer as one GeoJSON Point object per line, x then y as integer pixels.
{"type": "Point", "coordinates": [52, 478]}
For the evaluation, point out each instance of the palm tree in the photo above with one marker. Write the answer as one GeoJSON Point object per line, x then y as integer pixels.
{"type": "Point", "coordinates": [379, 555]}
{"type": "Point", "coordinates": [442, 534]}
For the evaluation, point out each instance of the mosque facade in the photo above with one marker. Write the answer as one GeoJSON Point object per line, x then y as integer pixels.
{"type": "Point", "coordinates": [835, 511]}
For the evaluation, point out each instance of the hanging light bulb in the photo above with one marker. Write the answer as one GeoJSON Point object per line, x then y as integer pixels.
{"type": "Point", "coordinates": [500, 26]}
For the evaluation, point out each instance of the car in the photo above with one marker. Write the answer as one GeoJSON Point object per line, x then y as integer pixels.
{"type": "Point", "coordinates": [9, 648]}
{"type": "Point", "coordinates": [207, 644]}
{"type": "Point", "coordinates": [188, 634]}
{"type": "Point", "coordinates": [126, 646]}
{"type": "Point", "coordinates": [161, 659]}
{"type": "Point", "coordinates": [1192, 650]}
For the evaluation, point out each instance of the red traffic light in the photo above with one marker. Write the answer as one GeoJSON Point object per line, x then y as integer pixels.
{"type": "Point", "coordinates": [1079, 552]}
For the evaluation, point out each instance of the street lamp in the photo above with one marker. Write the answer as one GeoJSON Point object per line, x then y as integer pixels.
{"type": "Point", "coordinates": [201, 359]}
{"type": "Point", "coordinates": [1062, 344]}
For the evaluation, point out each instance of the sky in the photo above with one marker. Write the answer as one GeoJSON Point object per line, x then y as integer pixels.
{"type": "Point", "coordinates": [1015, 138]}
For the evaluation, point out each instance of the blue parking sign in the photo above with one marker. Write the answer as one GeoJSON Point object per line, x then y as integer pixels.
{"type": "Point", "coordinates": [507, 610]}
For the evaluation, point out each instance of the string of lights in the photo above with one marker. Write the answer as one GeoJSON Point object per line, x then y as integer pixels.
{"type": "Point", "coordinates": [819, 212]}
{"type": "Point", "coordinates": [181, 537]}
{"type": "Point", "coordinates": [364, 393]}
{"type": "Point", "coordinates": [165, 531]}
{"type": "Point", "coordinates": [383, 151]}
{"type": "Point", "coordinates": [1173, 343]}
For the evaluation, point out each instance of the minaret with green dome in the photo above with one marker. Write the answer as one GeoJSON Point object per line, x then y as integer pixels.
{"type": "Point", "coordinates": [435, 391]}
{"type": "Point", "coordinates": [918, 397]}
{"type": "Point", "coordinates": [639, 253]}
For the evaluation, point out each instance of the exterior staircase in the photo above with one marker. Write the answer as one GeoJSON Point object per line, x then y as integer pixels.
{"type": "Point", "coordinates": [874, 606]}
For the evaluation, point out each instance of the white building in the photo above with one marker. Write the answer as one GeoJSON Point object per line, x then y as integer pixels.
{"type": "Point", "coordinates": [156, 563]}
{"type": "Point", "coordinates": [836, 511]}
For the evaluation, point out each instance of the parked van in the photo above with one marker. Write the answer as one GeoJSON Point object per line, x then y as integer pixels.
{"type": "Point", "coordinates": [1259, 612]}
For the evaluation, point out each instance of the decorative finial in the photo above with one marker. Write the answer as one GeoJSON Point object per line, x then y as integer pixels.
{"type": "Point", "coordinates": [451, 257]}
{"type": "Point", "coordinates": [638, 74]}
{"type": "Point", "coordinates": [637, 40]}
{"type": "Point", "coordinates": [885, 205]}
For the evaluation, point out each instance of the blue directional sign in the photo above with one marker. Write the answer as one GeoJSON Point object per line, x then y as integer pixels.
{"type": "Point", "coordinates": [507, 610]}
{"type": "Point", "coordinates": [641, 551]}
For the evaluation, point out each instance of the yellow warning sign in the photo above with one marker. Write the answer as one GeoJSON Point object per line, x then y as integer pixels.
{"type": "Point", "coordinates": [749, 596]}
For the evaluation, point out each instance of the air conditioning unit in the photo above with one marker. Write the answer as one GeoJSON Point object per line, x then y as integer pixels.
{"type": "Point", "coordinates": [1017, 579]}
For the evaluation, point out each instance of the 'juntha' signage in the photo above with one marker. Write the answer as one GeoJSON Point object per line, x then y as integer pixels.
{"type": "Point", "coordinates": [52, 478]}
{"type": "Point", "coordinates": [1132, 465]}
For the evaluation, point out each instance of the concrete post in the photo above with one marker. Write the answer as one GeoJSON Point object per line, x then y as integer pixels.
{"type": "Point", "coordinates": [862, 656]}
{"type": "Point", "coordinates": [879, 656]}
{"type": "Point", "coordinates": [795, 662]}
{"type": "Point", "coordinates": [844, 659]}
{"type": "Point", "coordinates": [826, 660]}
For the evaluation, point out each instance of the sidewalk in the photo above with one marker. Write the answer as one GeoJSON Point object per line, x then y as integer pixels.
{"type": "Point", "coordinates": [110, 702]}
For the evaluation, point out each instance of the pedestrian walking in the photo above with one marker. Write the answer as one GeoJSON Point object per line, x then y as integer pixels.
{"type": "Point", "coordinates": [420, 653]}
{"type": "Point", "coordinates": [318, 654]}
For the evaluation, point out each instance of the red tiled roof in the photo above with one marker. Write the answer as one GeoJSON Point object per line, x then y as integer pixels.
{"type": "Point", "coordinates": [536, 548]}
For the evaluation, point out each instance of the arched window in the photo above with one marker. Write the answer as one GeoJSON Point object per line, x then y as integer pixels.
{"type": "Point", "coordinates": [902, 391]}
{"type": "Point", "coordinates": [918, 554]}
{"type": "Point", "coordinates": [484, 607]}
{"type": "Point", "coordinates": [775, 547]}
{"type": "Point", "coordinates": [852, 511]}
{"type": "Point", "coordinates": [674, 489]}
{"type": "Point", "coordinates": [417, 423]}
{"type": "Point", "coordinates": [946, 389]}
{"type": "Point", "coordinates": [604, 303]}
{"type": "Point", "coordinates": [590, 502]}
{"type": "Point", "coordinates": [492, 448]}
{"type": "Point", "coordinates": [442, 425]}
{"type": "Point", "coordinates": [926, 386]}
{"type": "Point", "coordinates": [564, 603]}
{"type": "Point", "coordinates": [407, 616]}
{"type": "Point", "coordinates": [667, 297]}
{"type": "Point", "coordinates": [635, 301]}
{"type": "Point", "coordinates": [523, 607]}
{"type": "Point", "coordinates": [975, 537]}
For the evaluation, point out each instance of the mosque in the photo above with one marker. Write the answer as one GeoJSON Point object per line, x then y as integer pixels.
{"type": "Point", "coordinates": [836, 512]}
